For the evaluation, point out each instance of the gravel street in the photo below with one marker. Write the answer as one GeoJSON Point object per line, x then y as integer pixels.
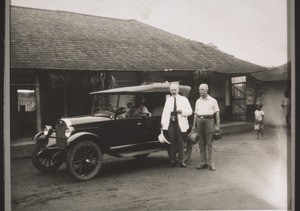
{"type": "Point", "coordinates": [251, 174]}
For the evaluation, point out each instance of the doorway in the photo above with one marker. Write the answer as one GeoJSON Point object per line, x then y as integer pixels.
{"type": "Point", "coordinates": [26, 113]}
{"type": "Point", "coordinates": [238, 98]}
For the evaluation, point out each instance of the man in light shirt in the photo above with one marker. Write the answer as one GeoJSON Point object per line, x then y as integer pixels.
{"type": "Point", "coordinates": [174, 119]}
{"type": "Point", "coordinates": [206, 109]}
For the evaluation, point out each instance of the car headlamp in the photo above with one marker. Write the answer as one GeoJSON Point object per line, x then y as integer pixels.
{"type": "Point", "coordinates": [69, 131]}
{"type": "Point", "coordinates": [47, 130]}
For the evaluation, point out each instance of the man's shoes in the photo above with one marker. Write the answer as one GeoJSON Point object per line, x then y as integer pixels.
{"type": "Point", "coordinates": [182, 165]}
{"type": "Point", "coordinates": [172, 164]}
{"type": "Point", "coordinates": [212, 168]}
{"type": "Point", "coordinates": [201, 166]}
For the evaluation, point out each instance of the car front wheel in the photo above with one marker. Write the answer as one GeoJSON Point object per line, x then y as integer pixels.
{"type": "Point", "coordinates": [84, 160]}
{"type": "Point", "coordinates": [43, 159]}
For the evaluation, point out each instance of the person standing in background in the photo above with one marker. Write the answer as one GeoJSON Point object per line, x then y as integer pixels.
{"type": "Point", "coordinates": [286, 105]}
{"type": "Point", "coordinates": [259, 121]}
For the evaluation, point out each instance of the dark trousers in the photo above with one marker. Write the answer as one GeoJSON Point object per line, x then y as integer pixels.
{"type": "Point", "coordinates": [176, 141]}
{"type": "Point", "coordinates": [205, 129]}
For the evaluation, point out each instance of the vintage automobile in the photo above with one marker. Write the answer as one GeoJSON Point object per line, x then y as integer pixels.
{"type": "Point", "coordinates": [81, 141]}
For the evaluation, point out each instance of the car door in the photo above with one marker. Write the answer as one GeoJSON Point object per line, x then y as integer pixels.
{"type": "Point", "coordinates": [142, 129]}
{"type": "Point", "coordinates": [152, 128]}
{"type": "Point", "coordinates": [112, 132]}
{"type": "Point", "coordinates": [134, 129]}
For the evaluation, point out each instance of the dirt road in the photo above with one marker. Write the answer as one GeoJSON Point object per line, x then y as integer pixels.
{"type": "Point", "coordinates": [251, 174]}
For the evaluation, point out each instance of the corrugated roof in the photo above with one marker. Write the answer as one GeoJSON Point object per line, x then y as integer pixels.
{"type": "Point", "coordinates": [43, 39]}
{"type": "Point", "coordinates": [279, 73]}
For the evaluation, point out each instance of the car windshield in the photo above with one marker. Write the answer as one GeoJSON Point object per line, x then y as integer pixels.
{"type": "Point", "coordinates": [108, 104]}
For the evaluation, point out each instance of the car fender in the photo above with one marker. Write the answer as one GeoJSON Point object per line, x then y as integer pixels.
{"type": "Point", "coordinates": [80, 135]}
{"type": "Point", "coordinates": [39, 136]}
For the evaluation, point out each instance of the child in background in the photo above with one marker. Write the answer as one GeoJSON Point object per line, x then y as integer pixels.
{"type": "Point", "coordinates": [259, 118]}
{"type": "Point", "coordinates": [286, 105]}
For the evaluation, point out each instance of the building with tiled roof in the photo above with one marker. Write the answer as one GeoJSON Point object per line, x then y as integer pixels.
{"type": "Point", "coordinates": [280, 73]}
{"type": "Point", "coordinates": [271, 85]}
{"type": "Point", "coordinates": [52, 52]}
{"type": "Point", "coordinates": [44, 39]}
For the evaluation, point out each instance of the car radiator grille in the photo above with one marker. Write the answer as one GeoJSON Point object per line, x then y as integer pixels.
{"type": "Point", "coordinates": [61, 140]}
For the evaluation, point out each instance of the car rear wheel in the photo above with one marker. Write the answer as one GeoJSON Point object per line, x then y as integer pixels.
{"type": "Point", "coordinates": [187, 148]}
{"type": "Point", "coordinates": [187, 151]}
{"type": "Point", "coordinates": [44, 160]}
{"type": "Point", "coordinates": [84, 160]}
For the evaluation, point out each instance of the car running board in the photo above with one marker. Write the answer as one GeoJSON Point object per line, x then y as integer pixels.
{"type": "Point", "coordinates": [131, 154]}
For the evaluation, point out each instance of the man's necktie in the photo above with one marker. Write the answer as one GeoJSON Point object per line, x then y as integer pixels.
{"type": "Point", "coordinates": [175, 105]}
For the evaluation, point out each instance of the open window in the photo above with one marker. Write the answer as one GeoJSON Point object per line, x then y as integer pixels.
{"type": "Point", "coordinates": [26, 100]}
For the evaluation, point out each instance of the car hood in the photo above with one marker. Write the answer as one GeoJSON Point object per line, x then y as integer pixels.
{"type": "Point", "coordinates": [83, 120]}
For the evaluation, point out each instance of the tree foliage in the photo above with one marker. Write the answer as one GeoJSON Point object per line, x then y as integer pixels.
{"type": "Point", "coordinates": [68, 92]}
{"type": "Point", "coordinates": [198, 77]}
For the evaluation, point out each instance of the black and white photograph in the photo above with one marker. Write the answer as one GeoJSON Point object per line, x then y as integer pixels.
{"type": "Point", "coordinates": [150, 105]}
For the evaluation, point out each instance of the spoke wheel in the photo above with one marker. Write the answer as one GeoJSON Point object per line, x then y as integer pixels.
{"type": "Point", "coordinates": [187, 151]}
{"type": "Point", "coordinates": [84, 160]}
{"type": "Point", "coordinates": [187, 148]}
{"type": "Point", "coordinates": [44, 162]}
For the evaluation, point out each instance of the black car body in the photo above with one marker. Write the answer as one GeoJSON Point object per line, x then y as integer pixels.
{"type": "Point", "coordinates": [81, 141]}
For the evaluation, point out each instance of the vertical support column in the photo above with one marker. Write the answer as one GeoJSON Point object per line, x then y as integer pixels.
{"type": "Point", "coordinates": [227, 92]}
{"type": "Point", "coordinates": [66, 111]}
{"type": "Point", "coordinates": [228, 103]}
{"type": "Point", "coordinates": [14, 118]}
{"type": "Point", "coordinates": [65, 93]}
{"type": "Point", "coordinates": [38, 102]}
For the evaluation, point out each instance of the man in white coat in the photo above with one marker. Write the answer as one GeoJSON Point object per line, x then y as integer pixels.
{"type": "Point", "coordinates": [174, 119]}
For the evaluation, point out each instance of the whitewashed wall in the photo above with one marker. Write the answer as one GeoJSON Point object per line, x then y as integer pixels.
{"type": "Point", "coordinates": [218, 91]}
{"type": "Point", "coordinates": [272, 103]}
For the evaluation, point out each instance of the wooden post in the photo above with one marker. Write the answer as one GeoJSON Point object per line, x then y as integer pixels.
{"type": "Point", "coordinates": [227, 91]}
{"type": "Point", "coordinates": [66, 111]}
{"type": "Point", "coordinates": [38, 103]}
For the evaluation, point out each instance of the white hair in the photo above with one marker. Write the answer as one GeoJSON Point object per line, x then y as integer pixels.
{"type": "Point", "coordinates": [204, 86]}
{"type": "Point", "coordinates": [173, 86]}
